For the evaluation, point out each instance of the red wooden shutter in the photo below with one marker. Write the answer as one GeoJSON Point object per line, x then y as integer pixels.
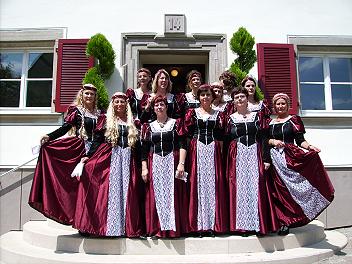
{"type": "Point", "coordinates": [72, 65]}
{"type": "Point", "coordinates": [277, 71]}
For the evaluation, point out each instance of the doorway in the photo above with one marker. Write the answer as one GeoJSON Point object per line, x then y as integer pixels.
{"type": "Point", "coordinates": [178, 74]}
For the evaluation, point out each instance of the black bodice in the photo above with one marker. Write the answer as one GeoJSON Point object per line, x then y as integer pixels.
{"type": "Point", "coordinates": [162, 140]}
{"type": "Point", "coordinates": [123, 136]}
{"type": "Point", "coordinates": [244, 130]}
{"type": "Point", "coordinates": [206, 130]}
{"type": "Point", "coordinates": [286, 132]}
{"type": "Point", "coordinates": [90, 122]}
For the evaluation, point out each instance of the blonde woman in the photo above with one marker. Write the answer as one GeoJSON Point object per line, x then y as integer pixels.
{"type": "Point", "coordinates": [109, 201]}
{"type": "Point", "coordinates": [53, 191]}
{"type": "Point", "coordinates": [162, 86]}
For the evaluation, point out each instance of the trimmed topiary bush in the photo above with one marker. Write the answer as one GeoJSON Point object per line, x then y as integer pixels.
{"type": "Point", "coordinates": [241, 44]}
{"type": "Point", "coordinates": [100, 48]}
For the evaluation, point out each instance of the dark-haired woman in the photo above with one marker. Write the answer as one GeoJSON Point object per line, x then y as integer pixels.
{"type": "Point", "coordinates": [208, 196]}
{"type": "Point", "coordinates": [163, 161]}
{"type": "Point", "coordinates": [138, 98]}
{"type": "Point", "coordinates": [251, 207]}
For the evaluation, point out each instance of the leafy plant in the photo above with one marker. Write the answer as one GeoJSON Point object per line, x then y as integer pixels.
{"type": "Point", "coordinates": [241, 44]}
{"type": "Point", "coordinates": [101, 49]}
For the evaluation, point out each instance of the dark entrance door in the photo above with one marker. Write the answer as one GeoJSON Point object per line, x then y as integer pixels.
{"type": "Point", "coordinates": [178, 73]}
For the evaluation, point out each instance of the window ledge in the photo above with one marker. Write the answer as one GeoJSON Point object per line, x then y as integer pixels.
{"type": "Point", "coordinates": [323, 113]}
{"type": "Point", "coordinates": [30, 117]}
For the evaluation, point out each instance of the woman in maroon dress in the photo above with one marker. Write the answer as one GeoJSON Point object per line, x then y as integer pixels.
{"type": "Point", "coordinates": [189, 100]}
{"type": "Point", "coordinates": [254, 104]}
{"type": "Point", "coordinates": [163, 159]}
{"type": "Point", "coordinates": [110, 200]}
{"type": "Point", "coordinates": [162, 85]}
{"type": "Point", "coordinates": [53, 191]}
{"type": "Point", "coordinates": [208, 212]}
{"type": "Point", "coordinates": [138, 98]}
{"type": "Point", "coordinates": [251, 209]}
{"type": "Point", "coordinates": [301, 185]}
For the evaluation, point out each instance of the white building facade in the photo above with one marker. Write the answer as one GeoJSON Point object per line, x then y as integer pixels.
{"type": "Point", "coordinates": [198, 34]}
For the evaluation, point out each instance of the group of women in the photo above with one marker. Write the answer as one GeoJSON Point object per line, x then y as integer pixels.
{"type": "Point", "coordinates": [201, 163]}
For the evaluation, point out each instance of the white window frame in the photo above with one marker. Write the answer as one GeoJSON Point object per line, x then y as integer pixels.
{"type": "Point", "coordinates": [24, 78]}
{"type": "Point", "coordinates": [329, 45]}
{"type": "Point", "coordinates": [329, 111]}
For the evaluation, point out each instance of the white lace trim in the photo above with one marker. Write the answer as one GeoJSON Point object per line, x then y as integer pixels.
{"type": "Point", "coordinates": [274, 121]}
{"type": "Point", "coordinates": [254, 108]}
{"type": "Point", "coordinates": [163, 183]}
{"type": "Point", "coordinates": [227, 98]}
{"type": "Point", "coordinates": [206, 117]}
{"type": "Point", "coordinates": [168, 126]}
{"type": "Point", "coordinates": [119, 179]}
{"type": "Point", "coordinates": [240, 119]}
{"type": "Point", "coordinates": [86, 113]}
{"type": "Point", "coordinates": [302, 192]}
{"type": "Point", "coordinates": [190, 98]}
{"type": "Point", "coordinates": [206, 185]}
{"type": "Point", "coordinates": [247, 186]}
{"type": "Point", "coordinates": [87, 145]}
{"type": "Point", "coordinates": [220, 108]}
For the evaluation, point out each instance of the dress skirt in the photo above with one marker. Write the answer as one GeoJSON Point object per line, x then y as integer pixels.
{"type": "Point", "coordinates": [251, 206]}
{"type": "Point", "coordinates": [54, 192]}
{"type": "Point", "coordinates": [301, 186]}
{"type": "Point", "coordinates": [110, 194]}
{"type": "Point", "coordinates": [166, 198]}
{"type": "Point", "coordinates": [208, 194]}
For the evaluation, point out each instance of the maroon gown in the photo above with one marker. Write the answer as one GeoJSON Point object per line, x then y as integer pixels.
{"type": "Point", "coordinates": [208, 206]}
{"type": "Point", "coordinates": [54, 191]}
{"type": "Point", "coordinates": [300, 184]}
{"type": "Point", "coordinates": [110, 194]}
{"type": "Point", "coordinates": [251, 206]}
{"type": "Point", "coordinates": [166, 197]}
{"type": "Point", "coordinates": [137, 103]}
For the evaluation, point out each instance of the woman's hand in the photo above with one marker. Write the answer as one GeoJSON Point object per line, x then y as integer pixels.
{"type": "Point", "coordinates": [180, 170]}
{"type": "Point", "coordinates": [266, 165]}
{"type": "Point", "coordinates": [44, 139]}
{"type": "Point", "coordinates": [84, 159]}
{"type": "Point", "coordinates": [277, 143]}
{"type": "Point", "coordinates": [145, 175]}
{"type": "Point", "coordinates": [311, 147]}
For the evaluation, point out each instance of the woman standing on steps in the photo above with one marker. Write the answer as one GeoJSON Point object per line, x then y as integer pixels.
{"type": "Point", "coordinates": [138, 98]}
{"type": "Point", "coordinates": [208, 210]}
{"type": "Point", "coordinates": [53, 191]}
{"type": "Point", "coordinates": [110, 195]}
{"type": "Point", "coordinates": [251, 208]}
{"type": "Point", "coordinates": [300, 184]}
{"type": "Point", "coordinates": [163, 171]}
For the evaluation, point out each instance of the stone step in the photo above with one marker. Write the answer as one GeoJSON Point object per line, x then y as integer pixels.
{"type": "Point", "coordinates": [43, 234]}
{"type": "Point", "coordinates": [15, 250]}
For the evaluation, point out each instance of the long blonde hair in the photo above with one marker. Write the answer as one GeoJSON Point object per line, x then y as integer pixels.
{"type": "Point", "coordinates": [156, 79]}
{"type": "Point", "coordinates": [78, 102]}
{"type": "Point", "coordinates": [112, 131]}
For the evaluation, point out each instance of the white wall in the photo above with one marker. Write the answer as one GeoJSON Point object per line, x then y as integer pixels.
{"type": "Point", "coordinates": [267, 21]}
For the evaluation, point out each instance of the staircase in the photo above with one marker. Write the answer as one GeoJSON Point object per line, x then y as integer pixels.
{"type": "Point", "coordinates": [48, 242]}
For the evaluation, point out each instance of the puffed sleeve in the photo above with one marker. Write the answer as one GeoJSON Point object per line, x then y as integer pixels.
{"type": "Point", "coordinates": [230, 108]}
{"type": "Point", "coordinates": [264, 136]}
{"type": "Point", "coordinates": [220, 126]}
{"type": "Point", "coordinates": [188, 124]}
{"type": "Point", "coordinates": [298, 128]}
{"type": "Point", "coordinates": [181, 103]}
{"type": "Point", "coordinates": [98, 137]}
{"type": "Point", "coordinates": [70, 121]}
{"type": "Point", "coordinates": [181, 138]}
{"type": "Point", "coordinates": [266, 109]}
{"type": "Point", "coordinates": [145, 140]}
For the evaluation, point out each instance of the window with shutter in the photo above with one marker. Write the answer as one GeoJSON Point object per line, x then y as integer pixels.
{"type": "Point", "coordinates": [277, 71]}
{"type": "Point", "coordinates": [72, 65]}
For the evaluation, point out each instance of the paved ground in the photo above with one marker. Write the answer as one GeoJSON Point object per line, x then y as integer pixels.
{"type": "Point", "coordinates": [345, 255]}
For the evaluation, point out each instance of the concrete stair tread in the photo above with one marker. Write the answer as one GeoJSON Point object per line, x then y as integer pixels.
{"type": "Point", "coordinates": [39, 233]}
{"type": "Point", "coordinates": [15, 250]}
